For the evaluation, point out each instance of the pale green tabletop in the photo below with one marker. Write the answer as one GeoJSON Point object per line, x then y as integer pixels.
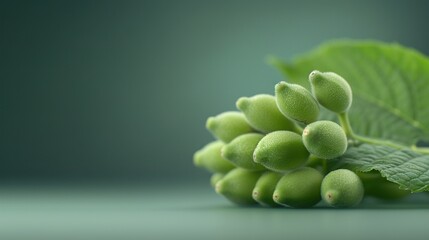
{"type": "Point", "coordinates": [194, 212]}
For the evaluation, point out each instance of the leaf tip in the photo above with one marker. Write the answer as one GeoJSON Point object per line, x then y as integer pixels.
{"type": "Point", "coordinates": [278, 64]}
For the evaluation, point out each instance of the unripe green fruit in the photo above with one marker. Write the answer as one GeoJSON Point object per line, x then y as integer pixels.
{"type": "Point", "coordinates": [228, 125]}
{"type": "Point", "coordinates": [240, 151]}
{"type": "Point", "coordinates": [262, 113]}
{"type": "Point", "coordinates": [379, 187]}
{"type": "Point", "coordinates": [342, 188]}
{"type": "Point", "coordinates": [237, 186]}
{"type": "Point", "coordinates": [314, 161]}
{"type": "Point", "coordinates": [385, 190]}
{"type": "Point", "coordinates": [325, 139]}
{"type": "Point", "coordinates": [331, 91]}
{"type": "Point", "coordinates": [264, 189]}
{"type": "Point", "coordinates": [281, 151]}
{"type": "Point", "coordinates": [299, 188]}
{"type": "Point", "coordinates": [296, 102]}
{"type": "Point", "coordinates": [209, 157]}
{"type": "Point", "coordinates": [215, 178]}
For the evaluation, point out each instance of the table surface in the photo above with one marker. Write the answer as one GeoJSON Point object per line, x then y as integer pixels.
{"type": "Point", "coordinates": [194, 212]}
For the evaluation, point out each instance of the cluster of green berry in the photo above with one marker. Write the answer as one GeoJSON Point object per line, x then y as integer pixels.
{"type": "Point", "coordinates": [274, 150]}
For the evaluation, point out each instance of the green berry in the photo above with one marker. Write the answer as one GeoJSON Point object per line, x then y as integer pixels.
{"type": "Point", "coordinates": [296, 103]}
{"type": "Point", "coordinates": [342, 188]}
{"type": "Point", "coordinates": [281, 151]}
{"type": "Point", "coordinates": [262, 113]}
{"type": "Point", "coordinates": [237, 186]}
{"type": "Point", "coordinates": [325, 139]}
{"type": "Point", "coordinates": [209, 157]}
{"type": "Point", "coordinates": [331, 90]}
{"type": "Point", "coordinates": [264, 189]}
{"type": "Point", "coordinates": [379, 187]}
{"type": "Point", "coordinates": [385, 190]}
{"type": "Point", "coordinates": [215, 178]}
{"type": "Point", "coordinates": [228, 125]}
{"type": "Point", "coordinates": [299, 188]}
{"type": "Point", "coordinates": [240, 151]}
{"type": "Point", "coordinates": [314, 161]}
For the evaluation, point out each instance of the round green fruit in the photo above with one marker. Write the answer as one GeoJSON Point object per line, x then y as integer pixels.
{"type": "Point", "coordinates": [325, 139]}
{"type": "Point", "coordinates": [296, 102]}
{"type": "Point", "coordinates": [215, 178]}
{"type": "Point", "coordinates": [237, 186]}
{"type": "Point", "coordinates": [262, 113]}
{"type": "Point", "coordinates": [331, 90]}
{"type": "Point", "coordinates": [281, 151]}
{"type": "Point", "coordinates": [299, 188]}
{"type": "Point", "coordinates": [240, 151]}
{"type": "Point", "coordinates": [379, 187]}
{"type": "Point", "coordinates": [264, 189]}
{"type": "Point", "coordinates": [342, 188]}
{"type": "Point", "coordinates": [228, 125]}
{"type": "Point", "coordinates": [210, 158]}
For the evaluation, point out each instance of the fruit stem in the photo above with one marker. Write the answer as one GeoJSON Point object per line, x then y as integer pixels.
{"type": "Point", "coordinates": [378, 142]}
{"type": "Point", "coordinates": [298, 129]}
{"type": "Point", "coordinates": [414, 148]}
{"type": "Point", "coordinates": [325, 166]}
{"type": "Point", "coordinates": [345, 123]}
{"type": "Point", "coordinates": [420, 149]}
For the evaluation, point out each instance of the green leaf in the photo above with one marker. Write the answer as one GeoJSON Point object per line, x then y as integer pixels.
{"type": "Point", "coordinates": [405, 167]}
{"type": "Point", "coordinates": [390, 86]}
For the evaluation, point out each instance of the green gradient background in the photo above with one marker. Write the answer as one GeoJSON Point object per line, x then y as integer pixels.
{"type": "Point", "coordinates": [120, 90]}
{"type": "Point", "coordinates": [102, 104]}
